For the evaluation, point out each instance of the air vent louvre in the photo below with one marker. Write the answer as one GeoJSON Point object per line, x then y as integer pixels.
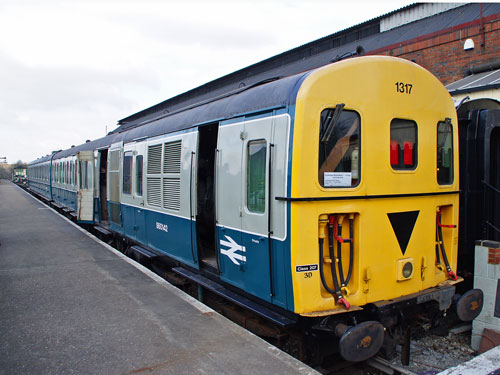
{"type": "Point", "coordinates": [154, 159]}
{"type": "Point", "coordinates": [172, 193]}
{"type": "Point", "coordinates": [154, 191]}
{"type": "Point", "coordinates": [172, 157]}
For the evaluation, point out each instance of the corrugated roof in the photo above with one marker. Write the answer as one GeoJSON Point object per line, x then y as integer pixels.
{"type": "Point", "coordinates": [476, 82]}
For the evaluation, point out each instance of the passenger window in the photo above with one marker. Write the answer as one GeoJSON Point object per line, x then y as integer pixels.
{"type": "Point", "coordinates": [403, 147]}
{"type": "Point", "coordinates": [83, 175]}
{"type": "Point", "coordinates": [445, 153]}
{"type": "Point", "coordinates": [90, 178]}
{"type": "Point", "coordinates": [339, 148]}
{"type": "Point", "coordinates": [127, 173]}
{"type": "Point", "coordinates": [138, 175]}
{"type": "Point", "coordinates": [256, 176]}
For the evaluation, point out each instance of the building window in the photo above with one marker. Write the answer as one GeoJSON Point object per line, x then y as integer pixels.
{"type": "Point", "coordinates": [339, 163]}
{"type": "Point", "coordinates": [256, 176]}
{"type": "Point", "coordinates": [403, 147]}
{"type": "Point", "coordinates": [127, 173]}
{"type": "Point", "coordinates": [445, 153]}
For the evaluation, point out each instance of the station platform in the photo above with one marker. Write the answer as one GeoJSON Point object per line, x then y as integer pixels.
{"type": "Point", "coordinates": [70, 304]}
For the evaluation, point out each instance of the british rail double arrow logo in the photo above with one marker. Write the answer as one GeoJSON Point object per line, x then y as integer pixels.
{"type": "Point", "coordinates": [232, 250]}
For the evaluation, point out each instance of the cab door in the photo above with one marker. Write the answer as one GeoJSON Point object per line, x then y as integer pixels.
{"type": "Point", "coordinates": [85, 196]}
{"type": "Point", "coordinates": [251, 172]}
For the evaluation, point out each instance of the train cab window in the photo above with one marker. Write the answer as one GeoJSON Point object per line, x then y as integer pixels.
{"type": "Point", "coordinates": [138, 175]}
{"type": "Point", "coordinates": [339, 148]}
{"type": "Point", "coordinates": [127, 172]}
{"type": "Point", "coordinates": [403, 146]}
{"type": "Point", "coordinates": [445, 153]}
{"type": "Point", "coordinates": [256, 176]}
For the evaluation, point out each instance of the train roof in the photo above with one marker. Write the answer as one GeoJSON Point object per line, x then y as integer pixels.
{"type": "Point", "coordinates": [42, 159]}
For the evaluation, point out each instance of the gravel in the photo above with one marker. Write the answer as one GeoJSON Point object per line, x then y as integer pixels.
{"type": "Point", "coordinates": [432, 354]}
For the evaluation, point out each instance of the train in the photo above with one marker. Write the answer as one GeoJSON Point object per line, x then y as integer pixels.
{"type": "Point", "coordinates": [325, 201]}
{"type": "Point", "coordinates": [479, 137]}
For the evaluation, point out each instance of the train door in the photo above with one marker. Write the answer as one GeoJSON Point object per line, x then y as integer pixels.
{"type": "Point", "coordinates": [205, 197]}
{"type": "Point", "coordinates": [250, 173]}
{"type": "Point", "coordinates": [113, 186]}
{"type": "Point", "coordinates": [228, 199]}
{"type": "Point", "coordinates": [138, 192]}
{"type": "Point", "coordinates": [103, 166]}
{"type": "Point", "coordinates": [493, 183]}
{"type": "Point", "coordinates": [85, 196]}
{"type": "Point", "coordinates": [132, 198]}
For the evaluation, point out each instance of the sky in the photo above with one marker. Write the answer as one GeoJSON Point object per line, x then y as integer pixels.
{"type": "Point", "coordinates": [69, 70]}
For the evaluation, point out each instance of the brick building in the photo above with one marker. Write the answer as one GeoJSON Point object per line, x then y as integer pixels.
{"type": "Point", "coordinates": [451, 52]}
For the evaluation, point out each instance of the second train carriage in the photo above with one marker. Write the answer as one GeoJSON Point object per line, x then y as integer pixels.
{"type": "Point", "coordinates": [331, 195]}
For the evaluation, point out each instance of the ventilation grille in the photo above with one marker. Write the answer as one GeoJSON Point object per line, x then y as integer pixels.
{"type": "Point", "coordinates": [172, 193]}
{"type": "Point", "coordinates": [172, 157]}
{"type": "Point", "coordinates": [154, 191]}
{"type": "Point", "coordinates": [154, 159]}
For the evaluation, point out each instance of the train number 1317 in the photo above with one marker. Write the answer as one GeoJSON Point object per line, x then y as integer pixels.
{"type": "Point", "coordinates": [403, 88]}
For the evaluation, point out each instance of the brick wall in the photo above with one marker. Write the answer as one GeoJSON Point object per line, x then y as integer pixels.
{"type": "Point", "coordinates": [443, 53]}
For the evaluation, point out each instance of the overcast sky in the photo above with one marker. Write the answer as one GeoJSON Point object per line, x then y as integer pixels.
{"type": "Point", "coordinates": [69, 70]}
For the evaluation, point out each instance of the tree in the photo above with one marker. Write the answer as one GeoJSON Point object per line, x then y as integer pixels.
{"type": "Point", "coordinates": [6, 169]}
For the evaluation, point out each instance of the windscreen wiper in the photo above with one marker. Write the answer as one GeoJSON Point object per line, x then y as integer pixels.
{"type": "Point", "coordinates": [331, 123]}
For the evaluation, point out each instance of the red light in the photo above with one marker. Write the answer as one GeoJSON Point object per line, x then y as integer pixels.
{"type": "Point", "coordinates": [394, 153]}
{"type": "Point", "coordinates": [408, 158]}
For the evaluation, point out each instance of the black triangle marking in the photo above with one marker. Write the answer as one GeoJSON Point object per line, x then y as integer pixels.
{"type": "Point", "coordinates": [403, 224]}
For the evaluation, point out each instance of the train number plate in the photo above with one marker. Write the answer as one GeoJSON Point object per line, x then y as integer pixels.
{"type": "Point", "coordinates": [306, 268]}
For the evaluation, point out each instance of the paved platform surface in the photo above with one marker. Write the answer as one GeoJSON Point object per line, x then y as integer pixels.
{"type": "Point", "coordinates": [72, 305]}
{"type": "Point", "coordinates": [487, 363]}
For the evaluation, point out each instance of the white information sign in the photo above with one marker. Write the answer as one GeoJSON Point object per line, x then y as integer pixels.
{"type": "Point", "coordinates": [332, 179]}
